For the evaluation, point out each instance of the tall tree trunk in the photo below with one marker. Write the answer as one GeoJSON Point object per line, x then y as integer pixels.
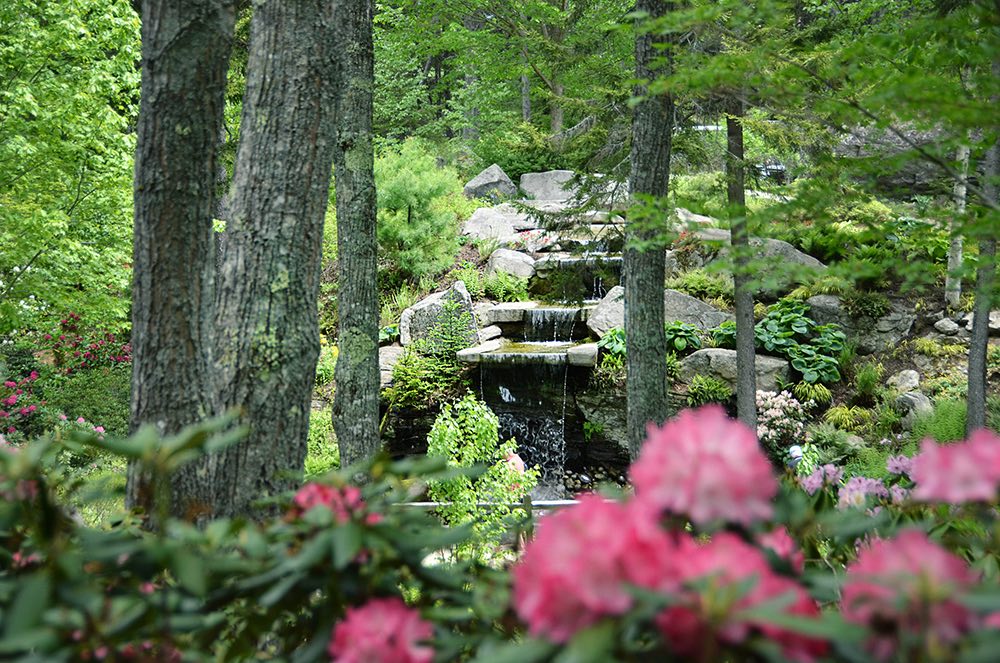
{"type": "Point", "coordinates": [525, 98]}
{"type": "Point", "coordinates": [644, 266]}
{"type": "Point", "coordinates": [985, 283]}
{"type": "Point", "coordinates": [355, 401]}
{"type": "Point", "coordinates": [267, 324]}
{"type": "Point", "coordinates": [556, 109]}
{"type": "Point", "coordinates": [746, 376]}
{"type": "Point", "coordinates": [953, 279]}
{"type": "Point", "coordinates": [185, 54]}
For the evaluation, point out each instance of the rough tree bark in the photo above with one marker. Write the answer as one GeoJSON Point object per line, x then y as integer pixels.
{"type": "Point", "coordinates": [985, 284]}
{"type": "Point", "coordinates": [746, 376]}
{"type": "Point", "coordinates": [266, 318]}
{"type": "Point", "coordinates": [953, 279]}
{"type": "Point", "coordinates": [652, 124]}
{"type": "Point", "coordinates": [355, 404]}
{"type": "Point", "coordinates": [185, 54]}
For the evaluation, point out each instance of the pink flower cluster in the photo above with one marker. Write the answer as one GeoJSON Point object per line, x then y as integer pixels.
{"type": "Point", "coordinates": [957, 473]}
{"type": "Point", "coordinates": [72, 351]}
{"type": "Point", "coordinates": [900, 465]}
{"type": "Point", "coordinates": [780, 420]}
{"type": "Point", "coordinates": [827, 475]}
{"type": "Point", "coordinates": [857, 490]}
{"type": "Point", "coordinates": [584, 559]}
{"type": "Point", "coordinates": [908, 584]}
{"type": "Point", "coordinates": [381, 631]}
{"type": "Point", "coordinates": [15, 402]}
{"type": "Point", "coordinates": [345, 502]}
{"type": "Point", "coordinates": [707, 467]}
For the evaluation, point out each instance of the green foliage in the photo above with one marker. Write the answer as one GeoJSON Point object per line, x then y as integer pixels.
{"type": "Point", "coordinates": [724, 336]}
{"type": "Point", "coordinates": [704, 285]}
{"type": "Point", "coordinates": [833, 444]}
{"type": "Point", "coordinates": [816, 392]}
{"type": "Point", "coordinates": [610, 372]}
{"type": "Point", "coordinates": [868, 382]}
{"type": "Point", "coordinates": [466, 434]}
{"type": "Point", "coordinates": [323, 454]}
{"type": "Point", "coordinates": [613, 342]}
{"type": "Point", "coordinates": [848, 417]}
{"type": "Point", "coordinates": [519, 149]}
{"type": "Point", "coordinates": [682, 337]}
{"type": "Point", "coordinates": [396, 301]}
{"type": "Point", "coordinates": [388, 334]}
{"type": "Point", "coordinates": [470, 275]}
{"type": "Point", "coordinates": [705, 389]}
{"type": "Point", "coordinates": [420, 380]}
{"type": "Point", "coordinates": [702, 193]}
{"type": "Point", "coordinates": [99, 395]}
{"type": "Point", "coordinates": [504, 287]}
{"type": "Point", "coordinates": [69, 95]}
{"type": "Point", "coordinates": [673, 368]}
{"type": "Point", "coordinates": [326, 365]}
{"type": "Point", "coordinates": [814, 366]}
{"type": "Point", "coordinates": [453, 330]}
{"type": "Point", "coordinates": [931, 348]}
{"type": "Point", "coordinates": [863, 304]}
{"type": "Point", "coordinates": [419, 206]}
{"type": "Point", "coordinates": [945, 424]}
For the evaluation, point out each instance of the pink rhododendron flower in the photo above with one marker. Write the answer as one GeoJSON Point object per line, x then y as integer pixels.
{"type": "Point", "coordinates": [515, 462]}
{"type": "Point", "coordinates": [98, 429]}
{"type": "Point", "coordinates": [381, 631]}
{"type": "Point", "coordinates": [907, 584]}
{"type": "Point", "coordinates": [345, 502]}
{"type": "Point", "coordinates": [956, 473]}
{"type": "Point", "coordinates": [784, 546]}
{"type": "Point", "coordinates": [717, 604]}
{"type": "Point", "coordinates": [856, 491]}
{"type": "Point", "coordinates": [81, 420]}
{"type": "Point", "coordinates": [10, 384]}
{"type": "Point", "coordinates": [579, 565]}
{"type": "Point", "coordinates": [706, 466]}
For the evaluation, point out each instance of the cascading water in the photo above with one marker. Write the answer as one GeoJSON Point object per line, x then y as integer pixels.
{"type": "Point", "coordinates": [550, 324]}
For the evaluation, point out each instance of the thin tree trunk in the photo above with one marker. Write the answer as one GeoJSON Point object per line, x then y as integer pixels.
{"type": "Point", "coordinates": [953, 279]}
{"type": "Point", "coordinates": [355, 402]}
{"type": "Point", "coordinates": [746, 375]}
{"type": "Point", "coordinates": [556, 109]}
{"type": "Point", "coordinates": [644, 266]}
{"type": "Point", "coordinates": [267, 325]}
{"type": "Point", "coordinates": [525, 98]}
{"type": "Point", "coordinates": [185, 54]}
{"type": "Point", "coordinates": [985, 281]}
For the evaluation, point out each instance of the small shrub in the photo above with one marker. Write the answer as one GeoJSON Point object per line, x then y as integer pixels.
{"type": "Point", "coordinates": [814, 366]}
{"type": "Point", "coordinates": [846, 357]}
{"type": "Point", "coordinates": [470, 275]}
{"type": "Point", "coordinates": [609, 373]}
{"type": "Point", "coordinates": [504, 287]}
{"type": "Point", "coordinates": [817, 392]}
{"type": "Point", "coordinates": [673, 368]}
{"type": "Point", "coordinates": [780, 421]}
{"type": "Point", "coordinates": [833, 444]}
{"type": "Point", "coordinates": [98, 395]}
{"type": "Point", "coordinates": [868, 382]}
{"type": "Point", "coordinates": [454, 330]}
{"type": "Point", "coordinates": [931, 348]}
{"type": "Point", "coordinates": [945, 424]}
{"type": "Point", "coordinates": [862, 304]}
{"type": "Point", "coordinates": [705, 389]}
{"type": "Point", "coordinates": [613, 342]}
{"type": "Point", "coordinates": [682, 337]}
{"type": "Point", "coordinates": [326, 366]}
{"type": "Point", "coordinates": [704, 285]}
{"type": "Point", "coordinates": [323, 454]}
{"type": "Point", "coordinates": [420, 380]}
{"type": "Point", "coordinates": [724, 336]}
{"type": "Point", "coordinates": [396, 301]}
{"type": "Point", "coordinates": [950, 385]}
{"type": "Point", "coordinates": [848, 417]}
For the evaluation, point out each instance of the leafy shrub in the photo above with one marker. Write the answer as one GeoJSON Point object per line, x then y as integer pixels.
{"type": "Point", "coordinates": [780, 421]}
{"type": "Point", "coordinates": [848, 417]}
{"type": "Point", "coordinates": [420, 380]}
{"type": "Point", "coordinates": [704, 285]}
{"type": "Point", "coordinates": [610, 373]}
{"type": "Point", "coordinates": [98, 395]}
{"type": "Point", "coordinates": [682, 337]}
{"type": "Point", "coordinates": [504, 287]}
{"type": "Point", "coordinates": [863, 304]}
{"type": "Point", "coordinates": [388, 334]}
{"type": "Point", "coordinates": [326, 365]}
{"type": "Point", "coordinates": [523, 148]}
{"type": "Point", "coordinates": [833, 444]}
{"type": "Point", "coordinates": [814, 366]}
{"type": "Point", "coordinates": [453, 330]}
{"type": "Point", "coordinates": [470, 275]}
{"type": "Point", "coordinates": [868, 382]}
{"type": "Point", "coordinates": [705, 389]}
{"type": "Point", "coordinates": [323, 454]}
{"type": "Point", "coordinates": [613, 342]}
{"type": "Point", "coordinates": [419, 205]}
{"type": "Point", "coordinates": [466, 434]}
{"type": "Point", "coordinates": [931, 348]}
{"type": "Point", "coordinates": [673, 367]}
{"type": "Point", "coordinates": [817, 392]}
{"type": "Point", "coordinates": [724, 336]}
{"type": "Point", "coordinates": [946, 423]}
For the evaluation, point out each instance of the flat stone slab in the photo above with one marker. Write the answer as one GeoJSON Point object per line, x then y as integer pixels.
{"type": "Point", "coordinates": [584, 354]}
{"type": "Point", "coordinates": [549, 185]}
{"type": "Point", "coordinates": [474, 354]}
{"type": "Point", "coordinates": [489, 333]}
{"type": "Point", "coordinates": [506, 312]}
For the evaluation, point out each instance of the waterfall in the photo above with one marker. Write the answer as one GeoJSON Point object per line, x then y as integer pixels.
{"type": "Point", "coordinates": [549, 324]}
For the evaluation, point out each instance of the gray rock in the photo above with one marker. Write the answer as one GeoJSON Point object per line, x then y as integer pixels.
{"type": "Point", "coordinates": [882, 146]}
{"type": "Point", "coordinates": [550, 185]}
{"type": "Point", "coordinates": [994, 325]}
{"type": "Point", "coordinates": [689, 219]}
{"type": "Point", "coordinates": [904, 381]}
{"type": "Point", "coordinates": [490, 223]}
{"type": "Point", "coordinates": [491, 181]}
{"type": "Point", "coordinates": [420, 319]}
{"type": "Point", "coordinates": [721, 363]}
{"type": "Point", "coordinates": [871, 336]}
{"type": "Point", "coordinates": [914, 405]}
{"type": "Point", "coordinates": [489, 333]}
{"type": "Point", "coordinates": [584, 354]}
{"type": "Point", "coordinates": [388, 356]}
{"type": "Point", "coordinates": [946, 326]}
{"type": "Point", "coordinates": [610, 311]}
{"type": "Point", "coordinates": [511, 262]}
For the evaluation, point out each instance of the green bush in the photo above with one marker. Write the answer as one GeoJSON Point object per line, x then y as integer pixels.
{"type": "Point", "coordinates": [867, 382]}
{"type": "Point", "coordinates": [613, 342]}
{"type": "Point", "coordinates": [833, 444]}
{"type": "Point", "coordinates": [705, 389]}
{"type": "Point", "coordinates": [523, 148]}
{"type": "Point", "coordinates": [419, 206]}
{"type": "Point", "coordinates": [470, 275]}
{"type": "Point", "coordinates": [504, 287]}
{"type": "Point", "coordinates": [848, 417]}
{"type": "Point", "coordinates": [673, 368]}
{"type": "Point", "coordinates": [323, 453]}
{"type": "Point", "coordinates": [945, 424]}
{"type": "Point", "coordinates": [863, 304]}
{"type": "Point", "coordinates": [704, 285]}
{"type": "Point", "coordinates": [99, 395]}
{"type": "Point", "coordinates": [682, 337]}
{"type": "Point", "coordinates": [816, 392]}
{"type": "Point", "coordinates": [326, 365]}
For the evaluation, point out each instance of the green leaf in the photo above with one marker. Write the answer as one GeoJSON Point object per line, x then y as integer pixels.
{"type": "Point", "coordinates": [190, 572]}
{"type": "Point", "coordinates": [30, 603]}
{"type": "Point", "coordinates": [593, 645]}
{"type": "Point", "coordinates": [278, 591]}
{"type": "Point", "coordinates": [346, 544]}
{"type": "Point", "coordinates": [526, 651]}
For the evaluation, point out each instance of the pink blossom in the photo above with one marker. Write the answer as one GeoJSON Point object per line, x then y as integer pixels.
{"type": "Point", "coordinates": [98, 429]}
{"type": "Point", "coordinates": [856, 491]}
{"type": "Point", "coordinates": [63, 417]}
{"type": "Point", "coordinates": [582, 560]}
{"type": "Point", "coordinates": [381, 631]}
{"type": "Point", "coordinates": [899, 465]}
{"type": "Point", "coordinates": [907, 584]}
{"type": "Point", "coordinates": [515, 462]}
{"type": "Point", "coordinates": [4, 414]}
{"type": "Point", "coordinates": [10, 384]}
{"type": "Point", "coordinates": [345, 502]}
{"type": "Point", "coordinates": [706, 466]}
{"type": "Point", "coordinates": [956, 473]}
{"type": "Point", "coordinates": [10, 400]}
{"type": "Point", "coordinates": [784, 546]}
{"type": "Point", "coordinates": [81, 420]}
{"type": "Point", "coordinates": [33, 375]}
{"type": "Point", "coordinates": [717, 607]}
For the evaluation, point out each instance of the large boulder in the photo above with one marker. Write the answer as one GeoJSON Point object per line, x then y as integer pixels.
{"type": "Point", "coordinates": [871, 335]}
{"type": "Point", "coordinates": [721, 363]}
{"type": "Point", "coordinates": [491, 182]}
{"type": "Point", "coordinates": [994, 323]}
{"type": "Point", "coordinates": [388, 357]}
{"type": "Point", "coordinates": [610, 311]}
{"type": "Point", "coordinates": [888, 150]}
{"type": "Point", "coordinates": [550, 185]}
{"type": "Point", "coordinates": [488, 223]}
{"type": "Point", "coordinates": [914, 406]}
{"type": "Point", "coordinates": [419, 321]}
{"type": "Point", "coordinates": [511, 262]}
